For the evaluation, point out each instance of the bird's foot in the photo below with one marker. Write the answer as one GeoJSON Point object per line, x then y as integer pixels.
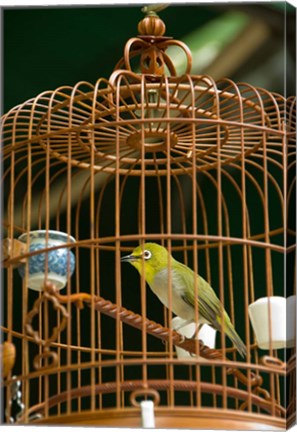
{"type": "Point", "coordinates": [196, 332]}
{"type": "Point", "coordinates": [201, 343]}
{"type": "Point", "coordinates": [201, 346]}
{"type": "Point", "coordinates": [182, 338]}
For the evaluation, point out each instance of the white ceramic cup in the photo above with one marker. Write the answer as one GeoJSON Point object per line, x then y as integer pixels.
{"type": "Point", "coordinates": [206, 334]}
{"type": "Point", "coordinates": [271, 333]}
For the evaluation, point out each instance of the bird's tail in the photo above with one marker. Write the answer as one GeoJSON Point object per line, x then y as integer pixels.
{"type": "Point", "coordinates": [232, 334]}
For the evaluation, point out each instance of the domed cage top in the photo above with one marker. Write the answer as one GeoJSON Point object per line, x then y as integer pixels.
{"type": "Point", "coordinates": [205, 168]}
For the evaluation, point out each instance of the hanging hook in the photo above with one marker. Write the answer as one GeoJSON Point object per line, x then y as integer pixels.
{"type": "Point", "coordinates": [154, 8]}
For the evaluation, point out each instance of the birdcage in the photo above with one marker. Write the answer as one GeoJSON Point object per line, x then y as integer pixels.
{"type": "Point", "coordinates": [205, 168]}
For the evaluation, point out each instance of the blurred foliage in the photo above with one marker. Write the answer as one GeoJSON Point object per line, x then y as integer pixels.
{"type": "Point", "coordinates": [46, 47]}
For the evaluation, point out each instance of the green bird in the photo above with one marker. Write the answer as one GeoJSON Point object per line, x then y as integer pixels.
{"type": "Point", "coordinates": [153, 260]}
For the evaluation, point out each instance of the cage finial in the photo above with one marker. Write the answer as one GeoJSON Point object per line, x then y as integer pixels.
{"type": "Point", "coordinates": [151, 24]}
{"type": "Point", "coordinates": [151, 46]}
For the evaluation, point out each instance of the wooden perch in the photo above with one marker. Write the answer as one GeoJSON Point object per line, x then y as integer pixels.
{"type": "Point", "coordinates": [138, 321]}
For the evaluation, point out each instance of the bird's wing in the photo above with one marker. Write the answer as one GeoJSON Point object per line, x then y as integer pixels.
{"type": "Point", "coordinates": [209, 306]}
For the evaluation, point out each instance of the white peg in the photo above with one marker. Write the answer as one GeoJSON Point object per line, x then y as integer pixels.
{"type": "Point", "coordinates": [147, 414]}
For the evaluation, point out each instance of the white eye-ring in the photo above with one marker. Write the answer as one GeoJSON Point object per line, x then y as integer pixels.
{"type": "Point", "coordinates": [147, 255]}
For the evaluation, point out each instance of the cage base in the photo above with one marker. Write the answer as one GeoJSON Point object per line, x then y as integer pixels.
{"type": "Point", "coordinates": [172, 418]}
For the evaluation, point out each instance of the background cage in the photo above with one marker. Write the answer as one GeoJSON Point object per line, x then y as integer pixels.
{"type": "Point", "coordinates": [204, 167]}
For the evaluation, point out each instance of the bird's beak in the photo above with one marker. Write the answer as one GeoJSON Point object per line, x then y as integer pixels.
{"type": "Point", "coordinates": [129, 258]}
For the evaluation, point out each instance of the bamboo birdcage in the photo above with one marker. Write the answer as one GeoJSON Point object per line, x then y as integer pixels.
{"type": "Point", "coordinates": [206, 169]}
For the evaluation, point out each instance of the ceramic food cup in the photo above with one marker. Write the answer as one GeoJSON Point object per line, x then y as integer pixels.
{"type": "Point", "coordinates": [268, 319]}
{"type": "Point", "coordinates": [54, 266]}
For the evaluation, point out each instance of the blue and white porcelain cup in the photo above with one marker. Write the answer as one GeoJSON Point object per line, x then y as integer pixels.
{"type": "Point", "coordinates": [60, 262]}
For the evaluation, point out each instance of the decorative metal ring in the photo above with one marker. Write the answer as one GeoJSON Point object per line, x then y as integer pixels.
{"type": "Point", "coordinates": [144, 393]}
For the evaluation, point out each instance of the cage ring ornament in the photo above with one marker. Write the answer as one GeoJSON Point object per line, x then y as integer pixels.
{"type": "Point", "coordinates": [46, 354]}
{"type": "Point", "coordinates": [144, 393]}
{"type": "Point", "coordinates": [47, 359]}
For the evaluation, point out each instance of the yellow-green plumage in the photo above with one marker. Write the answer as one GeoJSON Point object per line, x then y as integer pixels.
{"type": "Point", "coordinates": [153, 260]}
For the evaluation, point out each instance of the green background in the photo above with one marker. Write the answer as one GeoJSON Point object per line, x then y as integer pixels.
{"type": "Point", "coordinates": [45, 47]}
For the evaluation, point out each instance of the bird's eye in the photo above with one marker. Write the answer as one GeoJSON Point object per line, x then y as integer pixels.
{"type": "Point", "coordinates": [147, 254]}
